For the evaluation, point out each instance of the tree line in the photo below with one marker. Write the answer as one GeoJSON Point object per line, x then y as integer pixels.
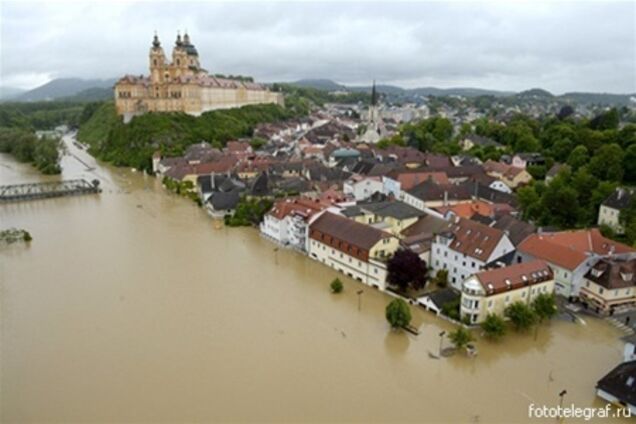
{"type": "Point", "coordinates": [25, 146]}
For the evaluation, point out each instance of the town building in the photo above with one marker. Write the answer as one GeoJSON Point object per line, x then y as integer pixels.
{"type": "Point", "coordinates": [392, 216]}
{"type": "Point", "coordinates": [362, 187]}
{"type": "Point", "coordinates": [357, 250]}
{"type": "Point", "coordinates": [610, 211]}
{"type": "Point", "coordinates": [523, 160]}
{"type": "Point", "coordinates": [491, 291]}
{"type": "Point", "coordinates": [286, 223]}
{"type": "Point", "coordinates": [618, 387]}
{"type": "Point", "coordinates": [570, 254]}
{"type": "Point", "coordinates": [512, 176]}
{"type": "Point", "coordinates": [609, 284]}
{"type": "Point", "coordinates": [182, 85]}
{"type": "Point", "coordinates": [474, 140]}
{"type": "Point", "coordinates": [465, 247]}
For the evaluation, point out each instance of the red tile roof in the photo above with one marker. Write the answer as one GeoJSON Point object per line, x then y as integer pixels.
{"type": "Point", "coordinates": [473, 238]}
{"type": "Point", "coordinates": [408, 180]}
{"type": "Point", "coordinates": [302, 207]}
{"type": "Point", "coordinates": [568, 249]}
{"type": "Point", "coordinates": [346, 235]}
{"type": "Point", "coordinates": [514, 276]}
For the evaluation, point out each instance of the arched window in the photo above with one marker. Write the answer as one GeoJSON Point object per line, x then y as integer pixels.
{"type": "Point", "coordinates": [178, 62]}
{"type": "Point", "coordinates": [154, 62]}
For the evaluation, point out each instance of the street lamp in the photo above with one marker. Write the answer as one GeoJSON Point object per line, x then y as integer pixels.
{"type": "Point", "coordinates": [441, 340]}
{"type": "Point", "coordinates": [359, 293]}
{"type": "Point", "coordinates": [561, 396]}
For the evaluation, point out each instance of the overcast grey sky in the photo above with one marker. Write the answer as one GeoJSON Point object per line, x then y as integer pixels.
{"type": "Point", "coordinates": [560, 46]}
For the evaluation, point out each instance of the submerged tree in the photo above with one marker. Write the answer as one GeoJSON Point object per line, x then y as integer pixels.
{"type": "Point", "coordinates": [494, 326]}
{"type": "Point", "coordinates": [461, 337]}
{"type": "Point", "coordinates": [336, 285]}
{"type": "Point", "coordinates": [544, 306]}
{"type": "Point", "coordinates": [398, 313]}
{"type": "Point", "coordinates": [521, 316]}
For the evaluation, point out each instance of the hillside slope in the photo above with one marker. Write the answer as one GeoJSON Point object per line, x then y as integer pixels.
{"type": "Point", "coordinates": [134, 143]}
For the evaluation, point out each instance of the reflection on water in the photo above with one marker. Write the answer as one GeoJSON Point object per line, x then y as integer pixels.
{"type": "Point", "coordinates": [134, 306]}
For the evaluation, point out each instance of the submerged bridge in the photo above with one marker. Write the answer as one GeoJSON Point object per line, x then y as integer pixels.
{"type": "Point", "coordinates": [32, 191]}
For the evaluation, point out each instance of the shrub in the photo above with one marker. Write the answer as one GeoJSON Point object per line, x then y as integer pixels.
{"type": "Point", "coordinates": [494, 326]}
{"type": "Point", "coordinates": [336, 286]}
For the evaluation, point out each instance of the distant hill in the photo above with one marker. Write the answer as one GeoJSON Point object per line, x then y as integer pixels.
{"type": "Point", "coordinates": [329, 85]}
{"type": "Point", "coordinates": [7, 93]}
{"type": "Point", "coordinates": [64, 88]}
{"type": "Point", "coordinates": [95, 94]}
{"type": "Point", "coordinates": [536, 94]}
{"type": "Point", "coordinates": [320, 84]}
{"type": "Point", "coordinates": [600, 98]}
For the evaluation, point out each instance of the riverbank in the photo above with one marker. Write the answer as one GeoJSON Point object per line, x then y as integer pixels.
{"type": "Point", "coordinates": [134, 306]}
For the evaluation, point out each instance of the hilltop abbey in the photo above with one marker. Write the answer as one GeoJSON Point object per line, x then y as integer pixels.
{"type": "Point", "coordinates": [183, 86]}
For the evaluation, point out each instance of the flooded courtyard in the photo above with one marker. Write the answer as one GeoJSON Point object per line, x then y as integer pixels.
{"type": "Point", "coordinates": [134, 305]}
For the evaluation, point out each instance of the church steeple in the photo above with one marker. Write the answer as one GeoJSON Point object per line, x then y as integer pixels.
{"type": "Point", "coordinates": [155, 41]}
{"type": "Point", "coordinates": [374, 95]}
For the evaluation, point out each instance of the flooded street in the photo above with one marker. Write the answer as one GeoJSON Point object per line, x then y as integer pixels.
{"type": "Point", "coordinates": [133, 306]}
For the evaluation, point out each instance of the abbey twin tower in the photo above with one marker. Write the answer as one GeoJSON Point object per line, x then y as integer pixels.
{"type": "Point", "coordinates": [183, 86]}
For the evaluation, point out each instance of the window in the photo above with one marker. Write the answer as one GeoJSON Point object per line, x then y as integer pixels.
{"type": "Point", "coordinates": [490, 303]}
{"type": "Point", "coordinates": [600, 290]}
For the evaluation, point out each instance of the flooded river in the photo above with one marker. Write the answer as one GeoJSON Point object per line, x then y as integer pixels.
{"type": "Point", "coordinates": [133, 306]}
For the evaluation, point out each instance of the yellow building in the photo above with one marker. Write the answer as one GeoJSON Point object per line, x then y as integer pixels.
{"type": "Point", "coordinates": [357, 250]}
{"type": "Point", "coordinates": [183, 86]}
{"type": "Point", "coordinates": [390, 216]}
{"type": "Point", "coordinates": [490, 292]}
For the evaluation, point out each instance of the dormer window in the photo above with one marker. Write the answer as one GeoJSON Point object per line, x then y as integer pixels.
{"type": "Point", "coordinates": [597, 272]}
{"type": "Point", "coordinates": [627, 276]}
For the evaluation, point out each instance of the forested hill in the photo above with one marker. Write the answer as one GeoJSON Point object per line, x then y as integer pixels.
{"type": "Point", "coordinates": [134, 143]}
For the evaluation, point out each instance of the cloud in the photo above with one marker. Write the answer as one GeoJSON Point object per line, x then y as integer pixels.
{"type": "Point", "coordinates": [560, 46]}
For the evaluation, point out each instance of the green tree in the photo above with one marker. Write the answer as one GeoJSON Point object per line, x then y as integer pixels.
{"type": "Point", "coordinates": [521, 316]}
{"type": "Point", "coordinates": [579, 157]}
{"type": "Point", "coordinates": [336, 286]}
{"type": "Point", "coordinates": [530, 202]}
{"type": "Point", "coordinates": [629, 164]}
{"type": "Point", "coordinates": [494, 326]}
{"type": "Point", "coordinates": [606, 120]}
{"type": "Point", "coordinates": [607, 163]}
{"type": "Point", "coordinates": [544, 306]}
{"type": "Point", "coordinates": [461, 337]}
{"type": "Point", "coordinates": [561, 149]}
{"type": "Point", "coordinates": [398, 313]}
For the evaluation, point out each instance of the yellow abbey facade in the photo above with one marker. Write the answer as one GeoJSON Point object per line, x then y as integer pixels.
{"type": "Point", "coordinates": [183, 86]}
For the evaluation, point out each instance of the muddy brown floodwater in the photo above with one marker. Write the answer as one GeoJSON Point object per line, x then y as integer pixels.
{"type": "Point", "coordinates": [133, 306]}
